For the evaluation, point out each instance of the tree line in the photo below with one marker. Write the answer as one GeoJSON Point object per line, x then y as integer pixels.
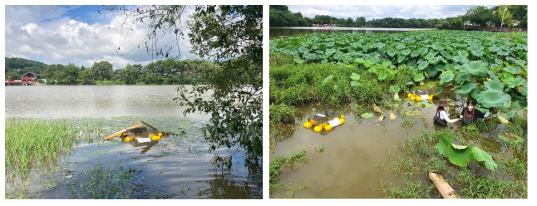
{"type": "Point", "coordinates": [169, 71]}
{"type": "Point", "coordinates": [281, 16]}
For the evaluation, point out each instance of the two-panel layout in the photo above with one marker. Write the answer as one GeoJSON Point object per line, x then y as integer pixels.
{"type": "Point", "coordinates": [139, 102]}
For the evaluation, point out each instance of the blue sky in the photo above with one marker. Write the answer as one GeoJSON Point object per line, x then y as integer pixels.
{"type": "Point", "coordinates": [75, 34]}
{"type": "Point", "coordinates": [382, 11]}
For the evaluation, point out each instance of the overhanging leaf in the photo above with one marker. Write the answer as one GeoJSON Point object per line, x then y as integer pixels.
{"type": "Point", "coordinates": [446, 77]}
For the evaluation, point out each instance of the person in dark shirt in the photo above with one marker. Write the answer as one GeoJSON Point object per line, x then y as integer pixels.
{"type": "Point", "coordinates": [469, 114]}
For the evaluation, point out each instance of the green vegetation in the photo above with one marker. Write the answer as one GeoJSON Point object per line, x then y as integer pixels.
{"type": "Point", "coordinates": [281, 16]}
{"type": "Point", "coordinates": [278, 166]}
{"type": "Point", "coordinates": [37, 144]}
{"type": "Point", "coordinates": [493, 70]}
{"type": "Point", "coordinates": [169, 71]}
{"type": "Point", "coordinates": [424, 155]}
{"type": "Point", "coordinates": [122, 183]}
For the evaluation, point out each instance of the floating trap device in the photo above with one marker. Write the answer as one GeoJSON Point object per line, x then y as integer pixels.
{"type": "Point", "coordinates": [325, 121]}
{"type": "Point", "coordinates": [140, 133]}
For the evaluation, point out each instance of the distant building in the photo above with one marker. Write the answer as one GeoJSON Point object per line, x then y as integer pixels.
{"type": "Point", "coordinates": [468, 23]}
{"type": "Point", "coordinates": [29, 79]}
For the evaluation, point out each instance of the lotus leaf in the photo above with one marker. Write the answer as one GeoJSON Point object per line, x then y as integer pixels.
{"type": "Point", "coordinates": [483, 156]}
{"type": "Point", "coordinates": [462, 77]}
{"type": "Point", "coordinates": [381, 76]}
{"type": "Point", "coordinates": [418, 77]}
{"type": "Point", "coordinates": [457, 157]}
{"type": "Point", "coordinates": [493, 98]}
{"type": "Point", "coordinates": [392, 53]}
{"type": "Point", "coordinates": [494, 85]}
{"type": "Point", "coordinates": [355, 77]}
{"type": "Point", "coordinates": [367, 115]}
{"type": "Point", "coordinates": [423, 65]}
{"type": "Point", "coordinates": [510, 69]}
{"type": "Point", "coordinates": [477, 68]}
{"type": "Point", "coordinates": [446, 77]}
{"type": "Point", "coordinates": [395, 89]}
{"type": "Point", "coordinates": [466, 88]}
{"type": "Point", "coordinates": [355, 83]}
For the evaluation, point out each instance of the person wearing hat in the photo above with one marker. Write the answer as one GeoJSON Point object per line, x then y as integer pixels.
{"type": "Point", "coordinates": [469, 114]}
{"type": "Point", "coordinates": [441, 116]}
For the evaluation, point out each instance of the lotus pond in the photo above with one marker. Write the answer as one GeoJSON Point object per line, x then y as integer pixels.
{"type": "Point", "coordinates": [387, 152]}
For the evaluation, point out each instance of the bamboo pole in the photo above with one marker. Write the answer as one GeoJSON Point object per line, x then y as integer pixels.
{"type": "Point", "coordinates": [150, 126]}
{"type": "Point", "coordinates": [443, 187]}
{"type": "Point", "coordinates": [123, 130]}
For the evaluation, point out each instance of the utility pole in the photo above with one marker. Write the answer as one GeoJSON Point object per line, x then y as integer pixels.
{"type": "Point", "coordinates": [504, 10]}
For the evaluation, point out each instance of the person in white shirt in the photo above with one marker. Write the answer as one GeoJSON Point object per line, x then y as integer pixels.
{"type": "Point", "coordinates": [441, 117]}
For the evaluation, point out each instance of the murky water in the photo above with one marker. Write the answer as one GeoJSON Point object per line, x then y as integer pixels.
{"type": "Point", "coordinates": [279, 32]}
{"type": "Point", "coordinates": [52, 102]}
{"type": "Point", "coordinates": [346, 168]}
{"type": "Point", "coordinates": [178, 165]}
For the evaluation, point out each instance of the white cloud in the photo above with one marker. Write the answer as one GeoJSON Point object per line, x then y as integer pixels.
{"type": "Point", "coordinates": [47, 34]}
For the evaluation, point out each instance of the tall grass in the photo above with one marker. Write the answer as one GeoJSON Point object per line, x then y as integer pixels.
{"type": "Point", "coordinates": [34, 143]}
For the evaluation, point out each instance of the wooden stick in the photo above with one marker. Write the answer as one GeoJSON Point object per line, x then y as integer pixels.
{"type": "Point", "coordinates": [149, 126]}
{"type": "Point", "coordinates": [123, 130]}
{"type": "Point", "coordinates": [442, 186]}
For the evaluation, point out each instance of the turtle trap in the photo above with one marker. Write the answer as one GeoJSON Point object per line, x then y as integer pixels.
{"type": "Point", "coordinates": [325, 121]}
{"type": "Point", "coordinates": [140, 133]}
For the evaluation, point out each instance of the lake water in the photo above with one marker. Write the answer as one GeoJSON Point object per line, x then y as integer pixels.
{"type": "Point", "coordinates": [53, 102]}
{"type": "Point", "coordinates": [278, 32]}
{"type": "Point", "coordinates": [177, 166]}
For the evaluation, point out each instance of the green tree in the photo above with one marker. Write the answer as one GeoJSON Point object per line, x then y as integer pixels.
{"type": "Point", "coordinates": [480, 15]}
{"type": "Point", "coordinates": [233, 37]}
{"type": "Point", "coordinates": [360, 21]}
{"type": "Point", "coordinates": [86, 76]}
{"type": "Point", "coordinates": [70, 74]}
{"type": "Point", "coordinates": [102, 70]}
{"type": "Point", "coordinates": [14, 75]}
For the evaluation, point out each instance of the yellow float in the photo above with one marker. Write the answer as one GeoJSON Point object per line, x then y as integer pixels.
{"type": "Point", "coordinates": [307, 125]}
{"type": "Point", "coordinates": [342, 121]}
{"type": "Point", "coordinates": [328, 127]}
{"type": "Point", "coordinates": [318, 129]}
{"type": "Point", "coordinates": [312, 122]}
{"type": "Point", "coordinates": [127, 139]}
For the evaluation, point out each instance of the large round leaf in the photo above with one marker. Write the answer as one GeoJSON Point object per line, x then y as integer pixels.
{"type": "Point", "coordinates": [477, 68]}
{"type": "Point", "coordinates": [355, 77]}
{"type": "Point", "coordinates": [446, 77]}
{"type": "Point", "coordinates": [395, 89]}
{"type": "Point", "coordinates": [462, 77]}
{"type": "Point", "coordinates": [460, 59]}
{"type": "Point", "coordinates": [493, 98]}
{"type": "Point", "coordinates": [466, 88]}
{"type": "Point", "coordinates": [423, 65]}
{"type": "Point", "coordinates": [483, 156]}
{"type": "Point", "coordinates": [382, 76]}
{"type": "Point", "coordinates": [418, 77]}
{"type": "Point", "coordinates": [494, 85]}
{"type": "Point", "coordinates": [510, 69]}
{"type": "Point", "coordinates": [517, 81]}
{"type": "Point", "coordinates": [457, 157]}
